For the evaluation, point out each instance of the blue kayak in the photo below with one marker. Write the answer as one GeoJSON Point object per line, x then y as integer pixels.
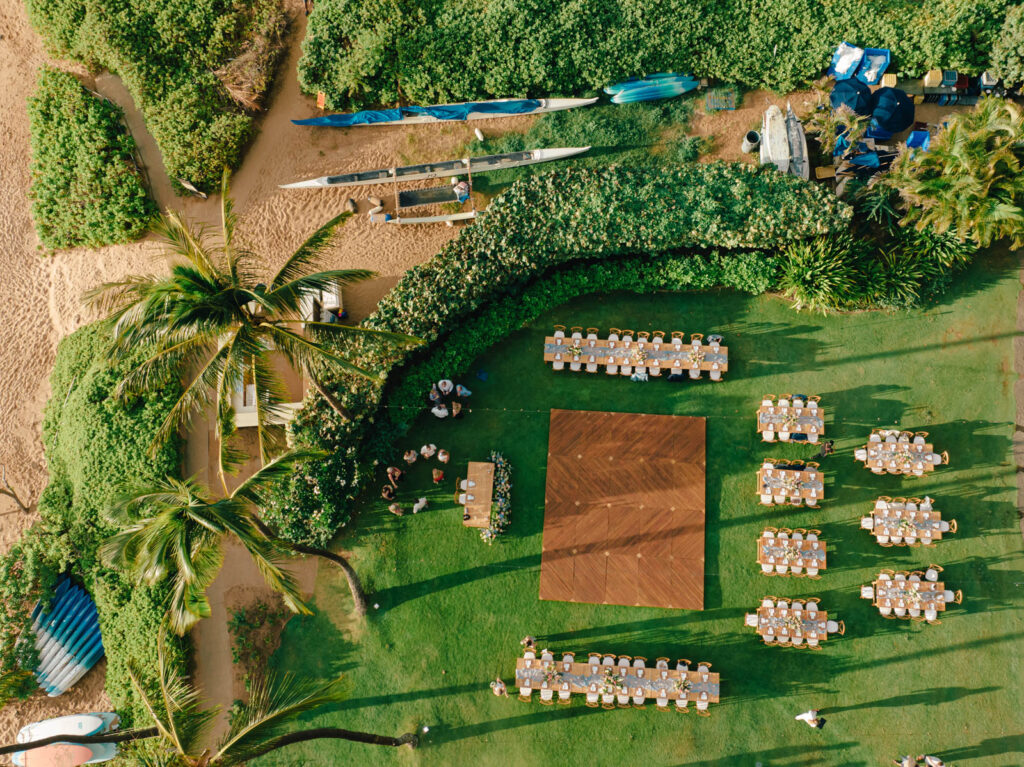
{"type": "Point", "coordinates": [646, 80]}
{"type": "Point", "coordinates": [653, 92]}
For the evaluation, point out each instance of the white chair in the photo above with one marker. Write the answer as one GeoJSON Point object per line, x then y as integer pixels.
{"type": "Point", "coordinates": [944, 526]}
{"type": "Point", "coordinates": [812, 572]}
{"type": "Point", "coordinates": [797, 536]}
{"type": "Point", "coordinates": [782, 604]}
{"type": "Point", "coordinates": [546, 655]}
{"type": "Point", "coordinates": [882, 538]}
{"type": "Point", "coordinates": [525, 692]}
{"type": "Point", "coordinates": [768, 534]}
{"type": "Point", "coordinates": [767, 403]}
{"type": "Point", "coordinates": [577, 335]}
{"type": "Point", "coordinates": [564, 693]}
{"type": "Point", "coordinates": [831, 627]}
{"type": "Point", "coordinates": [813, 437]}
{"type": "Point", "coordinates": [658, 338]}
{"type": "Point", "coordinates": [608, 699]}
{"type": "Point", "coordinates": [682, 702]}
{"type": "Point", "coordinates": [860, 454]}
{"type": "Point", "coordinates": [702, 705]}
{"type": "Point", "coordinates": [466, 484]}
{"type": "Point", "coordinates": [591, 367]}
{"type": "Point", "coordinates": [867, 592]}
{"type": "Point", "coordinates": [623, 662]}
{"type": "Point", "coordinates": [875, 437]}
{"type": "Point", "coordinates": [885, 610]}
{"type": "Point", "coordinates": [591, 336]}
{"type": "Point", "coordinates": [611, 369]}
{"type": "Point", "coordinates": [914, 612]}
{"type": "Point", "coordinates": [613, 336]}
{"type": "Point", "coordinates": [575, 366]}
{"type": "Point", "coordinates": [784, 436]}
{"type": "Point", "coordinates": [797, 606]}
{"type": "Point", "coordinates": [622, 698]}
{"type": "Point", "coordinates": [558, 364]}
{"type": "Point", "coordinates": [881, 505]}
{"type": "Point", "coordinates": [931, 574]}
{"type": "Point", "coordinates": [662, 664]}
{"type": "Point", "coordinates": [654, 370]}
{"type": "Point", "coordinates": [781, 569]}
{"type": "Point", "coordinates": [780, 498]}
{"type": "Point", "coordinates": [626, 370]}
{"type": "Point", "coordinates": [547, 694]}
{"type": "Point", "coordinates": [529, 654]}
{"type": "Point", "coordinates": [812, 641]}
{"type": "Point", "coordinates": [592, 698]}
{"type": "Point", "coordinates": [627, 338]}
{"type": "Point", "coordinates": [797, 403]}
{"type": "Point", "coordinates": [949, 597]}
{"type": "Point", "coordinates": [750, 619]}
{"type": "Point", "coordinates": [931, 615]}
{"type": "Point", "coordinates": [783, 403]}
{"type": "Point", "coordinates": [609, 660]}
{"type": "Point", "coordinates": [901, 612]}
{"type": "Point", "coordinates": [715, 374]}
{"type": "Point", "coordinates": [767, 603]}
{"type": "Point", "coordinates": [662, 699]}
{"type": "Point", "coordinates": [638, 697]}
{"type": "Point", "coordinates": [797, 641]}
{"type": "Point", "coordinates": [911, 506]}
{"type": "Point", "coordinates": [768, 636]}
{"type": "Point", "coordinates": [766, 499]}
{"type": "Point", "coordinates": [463, 498]}
{"type": "Point", "coordinates": [926, 504]}
{"type": "Point", "coordinates": [639, 663]}
{"type": "Point", "coordinates": [867, 523]}
{"type": "Point", "coordinates": [919, 440]}
{"type": "Point", "coordinates": [559, 334]}
{"type": "Point", "coordinates": [812, 537]}
{"type": "Point", "coordinates": [783, 536]}
{"type": "Point", "coordinates": [694, 373]}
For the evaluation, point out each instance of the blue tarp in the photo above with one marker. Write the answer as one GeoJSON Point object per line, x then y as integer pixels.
{"type": "Point", "coordinates": [442, 112]}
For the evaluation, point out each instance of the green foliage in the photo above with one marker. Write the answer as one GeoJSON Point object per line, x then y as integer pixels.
{"type": "Point", "coordinates": [168, 53]}
{"type": "Point", "coordinates": [821, 274]}
{"type": "Point", "coordinates": [86, 188]}
{"type": "Point", "coordinates": [363, 52]}
{"type": "Point", "coordinates": [971, 181]}
{"type": "Point", "coordinates": [1008, 51]}
{"type": "Point", "coordinates": [635, 135]}
{"type": "Point", "coordinates": [254, 635]}
{"type": "Point", "coordinates": [93, 443]}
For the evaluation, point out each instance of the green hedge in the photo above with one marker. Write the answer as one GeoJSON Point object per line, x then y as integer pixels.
{"type": "Point", "coordinates": [168, 53]}
{"type": "Point", "coordinates": [362, 52]}
{"type": "Point", "coordinates": [93, 444]}
{"type": "Point", "coordinates": [86, 189]}
{"type": "Point", "coordinates": [583, 213]}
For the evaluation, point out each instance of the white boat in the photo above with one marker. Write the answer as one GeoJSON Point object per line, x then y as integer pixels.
{"type": "Point", "coordinates": [458, 112]}
{"type": "Point", "coordinates": [441, 169]}
{"type": "Point", "coordinates": [799, 160]}
{"type": "Point", "coordinates": [774, 139]}
{"type": "Point", "coordinates": [73, 724]}
{"type": "Point", "coordinates": [464, 216]}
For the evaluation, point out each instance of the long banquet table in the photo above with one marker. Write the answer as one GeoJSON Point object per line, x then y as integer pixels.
{"type": "Point", "coordinates": [901, 457]}
{"type": "Point", "coordinates": [801, 420]}
{"type": "Point", "coordinates": [803, 623]}
{"type": "Point", "coordinates": [772, 551]}
{"type": "Point", "coordinates": [588, 677]}
{"type": "Point", "coordinates": [606, 352]}
{"type": "Point", "coordinates": [926, 526]}
{"type": "Point", "coordinates": [901, 593]}
{"type": "Point", "coordinates": [809, 482]}
{"type": "Point", "coordinates": [479, 509]}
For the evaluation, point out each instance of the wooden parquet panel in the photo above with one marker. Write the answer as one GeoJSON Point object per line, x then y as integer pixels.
{"type": "Point", "coordinates": [624, 510]}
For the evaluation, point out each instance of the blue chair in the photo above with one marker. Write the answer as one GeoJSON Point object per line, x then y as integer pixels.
{"type": "Point", "coordinates": [919, 139]}
{"type": "Point", "coordinates": [876, 131]}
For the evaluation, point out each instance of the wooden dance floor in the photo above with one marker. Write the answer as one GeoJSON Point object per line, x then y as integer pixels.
{"type": "Point", "coordinates": [624, 510]}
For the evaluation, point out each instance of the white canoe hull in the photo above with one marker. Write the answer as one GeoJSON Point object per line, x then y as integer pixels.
{"type": "Point", "coordinates": [454, 168]}
{"type": "Point", "coordinates": [435, 219]}
{"type": "Point", "coordinates": [774, 139]}
{"type": "Point", "coordinates": [799, 160]}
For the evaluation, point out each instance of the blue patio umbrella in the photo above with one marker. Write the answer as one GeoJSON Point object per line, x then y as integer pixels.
{"type": "Point", "coordinates": [854, 94]}
{"type": "Point", "coordinates": [893, 110]}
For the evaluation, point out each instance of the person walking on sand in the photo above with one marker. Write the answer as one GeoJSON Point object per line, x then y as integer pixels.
{"type": "Point", "coordinates": [811, 718]}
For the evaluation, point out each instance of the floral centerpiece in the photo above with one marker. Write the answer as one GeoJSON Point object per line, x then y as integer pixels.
{"type": "Point", "coordinates": [501, 509]}
{"type": "Point", "coordinates": [551, 674]}
{"type": "Point", "coordinates": [576, 349]}
{"type": "Point", "coordinates": [793, 623]}
{"type": "Point", "coordinates": [696, 356]}
{"type": "Point", "coordinates": [789, 423]}
{"type": "Point", "coordinates": [611, 682]}
{"type": "Point", "coordinates": [791, 554]}
{"type": "Point", "coordinates": [791, 485]}
{"type": "Point", "coordinates": [682, 684]}
{"type": "Point", "coordinates": [638, 355]}
{"type": "Point", "coordinates": [906, 527]}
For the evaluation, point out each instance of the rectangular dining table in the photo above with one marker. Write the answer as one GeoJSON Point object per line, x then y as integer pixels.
{"type": "Point", "coordinates": [479, 509]}
{"type": "Point", "coordinates": [927, 525]}
{"type": "Point", "coordinates": [906, 455]}
{"type": "Point", "coordinates": [802, 420]}
{"type": "Point", "coordinates": [607, 352]}
{"type": "Point", "coordinates": [770, 551]}
{"type": "Point", "coordinates": [893, 593]}
{"type": "Point", "coordinates": [808, 480]}
{"type": "Point", "coordinates": [581, 677]}
{"type": "Point", "coordinates": [815, 627]}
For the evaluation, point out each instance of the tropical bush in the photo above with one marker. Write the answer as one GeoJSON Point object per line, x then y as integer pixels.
{"type": "Point", "coordinates": [1008, 51]}
{"type": "Point", "coordinates": [581, 213]}
{"type": "Point", "coordinates": [363, 52]}
{"type": "Point", "coordinates": [821, 274]}
{"type": "Point", "coordinates": [970, 182]}
{"type": "Point", "coordinates": [93, 442]}
{"type": "Point", "coordinates": [169, 54]}
{"type": "Point", "coordinates": [86, 188]}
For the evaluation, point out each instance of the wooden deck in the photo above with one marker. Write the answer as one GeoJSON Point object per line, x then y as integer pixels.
{"type": "Point", "coordinates": [624, 510]}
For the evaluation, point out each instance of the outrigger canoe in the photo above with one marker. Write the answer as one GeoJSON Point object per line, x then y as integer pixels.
{"type": "Point", "coordinates": [441, 169]}
{"type": "Point", "coordinates": [469, 110]}
{"type": "Point", "coordinates": [652, 88]}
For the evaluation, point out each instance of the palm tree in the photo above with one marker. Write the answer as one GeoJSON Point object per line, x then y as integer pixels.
{"type": "Point", "coordinates": [213, 324]}
{"type": "Point", "coordinates": [174, 529]}
{"type": "Point", "coordinates": [182, 725]}
{"type": "Point", "coordinates": [971, 181]}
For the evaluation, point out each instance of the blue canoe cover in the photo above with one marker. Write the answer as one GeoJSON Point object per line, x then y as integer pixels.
{"type": "Point", "coordinates": [441, 112]}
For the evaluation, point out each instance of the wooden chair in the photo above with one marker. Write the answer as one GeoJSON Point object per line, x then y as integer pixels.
{"type": "Point", "coordinates": [560, 328]}
{"type": "Point", "coordinates": [643, 335]}
{"type": "Point", "coordinates": [958, 597]}
{"type": "Point", "coordinates": [921, 434]}
{"type": "Point", "coordinates": [814, 398]}
{"type": "Point", "coordinates": [842, 628]}
{"type": "Point", "coordinates": [656, 334]}
{"type": "Point", "coordinates": [770, 530]}
{"type": "Point", "coordinates": [678, 335]}
{"type": "Point", "coordinates": [812, 601]}
{"type": "Point", "coordinates": [812, 531]}
{"type": "Point", "coordinates": [627, 333]}
{"type": "Point", "coordinates": [614, 331]}
{"type": "Point", "coordinates": [945, 457]}
{"type": "Point", "coordinates": [684, 662]}
{"type": "Point", "coordinates": [696, 337]}
{"type": "Point", "coordinates": [812, 465]}
{"type": "Point", "coordinates": [592, 331]}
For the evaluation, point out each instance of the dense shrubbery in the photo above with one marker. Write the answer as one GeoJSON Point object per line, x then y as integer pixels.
{"type": "Point", "coordinates": [362, 52]}
{"type": "Point", "coordinates": [581, 213]}
{"type": "Point", "coordinates": [1008, 52]}
{"type": "Point", "coordinates": [86, 189]}
{"type": "Point", "coordinates": [168, 52]}
{"type": "Point", "coordinates": [94, 443]}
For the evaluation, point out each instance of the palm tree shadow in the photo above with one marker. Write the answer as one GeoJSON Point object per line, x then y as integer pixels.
{"type": "Point", "coordinates": [439, 735]}
{"type": "Point", "coordinates": [921, 697]}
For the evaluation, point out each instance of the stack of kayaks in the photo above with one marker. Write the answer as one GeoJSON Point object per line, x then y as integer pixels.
{"type": "Point", "coordinates": [67, 753]}
{"type": "Point", "coordinates": [67, 637]}
{"type": "Point", "coordinates": [652, 87]}
{"type": "Point", "coordinates": [775, 139]}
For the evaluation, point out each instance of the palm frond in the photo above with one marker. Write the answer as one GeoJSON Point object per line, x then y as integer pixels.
{"type": "Point", "coordinates": [275, 703]}
{"type": "Point", "coordinates": [306, 353]}
{"type": "Point", "coordinates": [308, 254]}
{"type": "Point", "coordinates": [256, 489]}
{"type": "Point", "coordinates": [287, 298]}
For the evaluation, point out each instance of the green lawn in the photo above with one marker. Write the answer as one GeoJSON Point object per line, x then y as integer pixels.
{"type": "Point", "coordinates": [452, 609]}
